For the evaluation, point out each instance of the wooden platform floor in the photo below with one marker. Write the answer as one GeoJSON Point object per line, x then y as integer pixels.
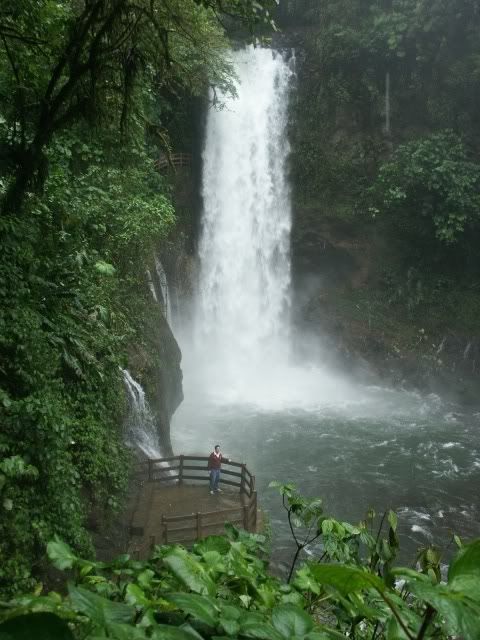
{"type": "Point", "coordinates": [156, 499]}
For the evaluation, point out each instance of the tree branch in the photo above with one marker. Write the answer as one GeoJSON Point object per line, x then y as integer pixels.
{"type": "Point", "coordinates": [21, 96]}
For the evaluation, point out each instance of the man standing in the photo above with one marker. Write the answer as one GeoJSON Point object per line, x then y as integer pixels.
{"type": "Point", "coordinates": [214, 465]}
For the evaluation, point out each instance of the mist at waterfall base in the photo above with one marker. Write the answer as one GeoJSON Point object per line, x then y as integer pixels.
{"type": "Point", "coordinates": [353, 445]}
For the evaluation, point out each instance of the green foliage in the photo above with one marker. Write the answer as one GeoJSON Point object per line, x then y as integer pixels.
{"type": "Point", "coordinates": [430, 186]}
{"type": "Point", "coordinates": [219, 590]}
{"type": "Point", "coordinates": [87, 92]}
{"type": "Point", "coordinates": [419, 175]}
{"type": "Point", "coordinates": [340, 541]}
{"type": "Point", "coordinates": [430, 52]}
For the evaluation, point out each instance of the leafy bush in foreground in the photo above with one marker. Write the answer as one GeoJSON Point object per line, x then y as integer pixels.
{"type": "Point", "coordinates": [221, 590]}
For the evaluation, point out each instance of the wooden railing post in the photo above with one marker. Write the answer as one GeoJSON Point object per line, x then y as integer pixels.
{"type": "Point", "coordinates": [199, 525]}
{"type": "Point", "coordinates": [245, 517]}
{"type": "Point", "coordinates": [254, 527]}
{"type": "Point", "coordinates": [252, 485]}
{"type": "Point", "coordinates": [180, 471]}
{"type": "Point", "coordinates": [164, 530]}
{"type": "Point", "coordinates": [242, 479]}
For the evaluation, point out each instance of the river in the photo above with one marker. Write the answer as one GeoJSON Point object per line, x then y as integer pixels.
{"type": "Point", "coordinates": [415, 455]}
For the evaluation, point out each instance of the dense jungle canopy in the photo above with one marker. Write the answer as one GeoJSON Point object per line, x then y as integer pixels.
{"type": "Point", "coordinates": [88, 91]}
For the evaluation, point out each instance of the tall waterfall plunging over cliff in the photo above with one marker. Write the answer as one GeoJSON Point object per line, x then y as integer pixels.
{"type": "Point", "coordinates": [244, 296]}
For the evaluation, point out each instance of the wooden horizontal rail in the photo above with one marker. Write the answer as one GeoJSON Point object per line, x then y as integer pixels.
{"type": "Point", "coordinates": [202, 471]}
{"type": "Point", "coordinates": [194, 467]}
{"type": "Point", "coordinates": [198, 459]}
{"type": "Point", "coordinates": [199, 527]}
{"type": "Point", "coordinates": [205, 514]}
{"type": "Point", "coordinates": [231, 473]}
{"type": "Point", "coordinates": [173, 160]}
{"type": "Point", "coordinates": [162, 470]}
{"type": "Point", "coordinates": [205, 525]}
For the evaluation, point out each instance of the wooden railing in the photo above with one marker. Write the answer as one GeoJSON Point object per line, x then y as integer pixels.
{"type": "Point", "coordinates": [194, 468]}
{"type": "Point", "coordinates": [193, 526]}
{"type": "Point", "coordinates": [173, 160]}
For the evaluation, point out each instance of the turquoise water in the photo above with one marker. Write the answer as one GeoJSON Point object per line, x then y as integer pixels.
{"type": "Point", "coordinates": [416, 455]}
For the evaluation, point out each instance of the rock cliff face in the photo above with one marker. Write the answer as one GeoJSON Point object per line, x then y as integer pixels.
{"type": "Point", "coordinates": [341, 302]}
{"type": "Point", "coordinates": [155, 361]}
{"type": "Point", "coordinates": [354, 294]}
{"type": "Point", "coordinates": [359, 294]}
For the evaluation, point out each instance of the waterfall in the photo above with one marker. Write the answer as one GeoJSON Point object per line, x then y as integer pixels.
{"type": "Point", "coordinates": [164, 289]}
{"type": "Point", "coordinates": [151, 285]}
{"type": "Point", "coordinates": [158, 285]}
{"type": "Point", "coordinates": [242, 321]}
{"type": "Point", "coordinates": [141, 428]}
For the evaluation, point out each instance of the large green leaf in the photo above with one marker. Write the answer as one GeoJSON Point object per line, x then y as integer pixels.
{"type": "Point", "coordinates": [100, 611]}
{"type": "Point", "coordinates": [165, 632]}
{"type": "Point", "coordinates": [346, 579]}
{"type": "Point", "coordinates": [468, 585]}
{"type": "Point", "coordinates": [38, 626]}
{"type": "Point", "coordinates": [466, 562]}
{"type": "Point", "coordinates": [189, 571]}
{"type": "Point", "coordinates": [136, 596]}
{"type": "Point", "coordinates": [61, 554]}
{"type": "Point", "coordinates": [257, 625]}
{"type": "Point", "coordinates": [393, 519]}
{"type": "Point", "coordinates": [214, 561]}
{"type": "Point", "coordinates": [305, 581]}
{"type": "Point", "coordinates": [201, 607]}
{"type": "Point", "coordinates": [230, 612]}
{"type": "Point", "coordinates": [231, 627]}
{"type": "Point", "coordinates": [394, 631]}
{"type": "Point", "coordinates": [260, 630]}
{"type": "Point", "coordinates": [325, 634]}
{"type": "Point", "coordinates": [460, 613]}
{"type": "Point", "coordinates": [290, 620]}
{"type": "Point", "coordinates": [212, 543]}
{"type": "Point", "coordinates": [119, 632]}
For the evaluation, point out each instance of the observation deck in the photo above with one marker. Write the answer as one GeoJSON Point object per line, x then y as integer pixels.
{"type": "Point", "coordinates": [174, 504]}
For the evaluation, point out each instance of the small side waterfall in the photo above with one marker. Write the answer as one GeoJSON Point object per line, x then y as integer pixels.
{"type": "Point", "coordinates": [151, 285]}
{"type": "Point", "coordinates": [164, 288]}
{"type": "Point", "coordinates": [141, 429]}
{"type": "Point", "coordinates": [158, 285]}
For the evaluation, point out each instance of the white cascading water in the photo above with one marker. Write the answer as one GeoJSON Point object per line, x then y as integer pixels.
{"type": "Point", "coordinates": [244, 299]}
{"type": "Point", "coordinates": [151, 286]}
{"type": "Point", "coordinates": [241, 323]}
{"type": "Point", "coordinates": [164, 288]}
{"type": "Point", "coordinates": [141, 429]}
